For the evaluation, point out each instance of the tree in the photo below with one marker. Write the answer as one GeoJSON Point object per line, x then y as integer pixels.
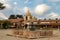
{"type": "Point", "coordinates": [19, 16]}
{"type": "Point", "coordinates": [49, 19]}
{"type": "Point", "coordinates": [1, 6]}
{"type": "Point", "coordinates": [45, 19]}
{"type": "Point", "coordinates": [56, 18]}
{"type": "Point", "coordinates": [15, 16]}
{"type": "Point", "coordinates": [6, 24]}
{"type": "Point", "coordinates": [12, 16]}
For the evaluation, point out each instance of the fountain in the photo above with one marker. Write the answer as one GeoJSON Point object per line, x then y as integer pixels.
{"type": "Point", "coordinates": [30, 32]}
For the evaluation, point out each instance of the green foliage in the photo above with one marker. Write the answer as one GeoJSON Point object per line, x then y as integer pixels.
{"type": "Point", "coordinates": [19, 16]}
{"type": "Point", "coordinates": [45, 19]}
{"type": "Point", "coordinates": [15, 16]}
{"type": "Point", "coordinates": [12, 16]}
{"type": "Point", "coordinates": [6, 24]}
{"type": "Point", "coordinates": [1, 6]}
{"type": "Point", "coordinates": [56, 18]}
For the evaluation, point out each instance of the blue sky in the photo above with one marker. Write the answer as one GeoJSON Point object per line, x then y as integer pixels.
{"type": "Point", "coordinates": [38, 8]}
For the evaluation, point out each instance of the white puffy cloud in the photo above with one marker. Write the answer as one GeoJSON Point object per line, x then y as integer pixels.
{"type": "Point", "coordinates": [3, 16]}
{"type": "Point", "coordinates": [3, 1]}
{"type": "Point", "coordinates": [7, 5]}
{"type": "Point", "coordinates": [26, 9]}
{"type": "Point", "coordinates": [53, 15]}
{"type": "Point", "coordinates": [41, 9]}
{"type": "Point", "coordinates": [15, 3]}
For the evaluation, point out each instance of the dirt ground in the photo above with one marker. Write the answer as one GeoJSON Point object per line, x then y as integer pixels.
{"type": "Point", "coordinates": [3, 36]}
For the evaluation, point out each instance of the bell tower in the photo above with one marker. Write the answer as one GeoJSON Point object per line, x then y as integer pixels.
{"type": "Point", "coordinates": [27, 15]}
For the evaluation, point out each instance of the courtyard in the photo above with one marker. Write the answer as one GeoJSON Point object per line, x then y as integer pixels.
{"type": "Point", "coordinates": [4, 32]}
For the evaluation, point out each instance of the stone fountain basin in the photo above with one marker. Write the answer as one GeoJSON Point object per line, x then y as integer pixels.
{"type": "Point", "coordinates": [32, 34]}
{"type": "Point", "coordinates": [37, 34]}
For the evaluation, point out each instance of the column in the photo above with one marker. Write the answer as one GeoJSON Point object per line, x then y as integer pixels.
{"type": "Point", "coordinates": [24, 27]}
{"type": "Point", "coordinates": [46, 26]}
{"type": "Point", "coordinates": [58, 27]}
{"type": "Point", "coordinates": [1, 25]}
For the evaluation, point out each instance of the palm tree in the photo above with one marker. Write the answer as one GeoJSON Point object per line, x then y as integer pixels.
{"type": "Point", "coordinates": [1, 6]}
